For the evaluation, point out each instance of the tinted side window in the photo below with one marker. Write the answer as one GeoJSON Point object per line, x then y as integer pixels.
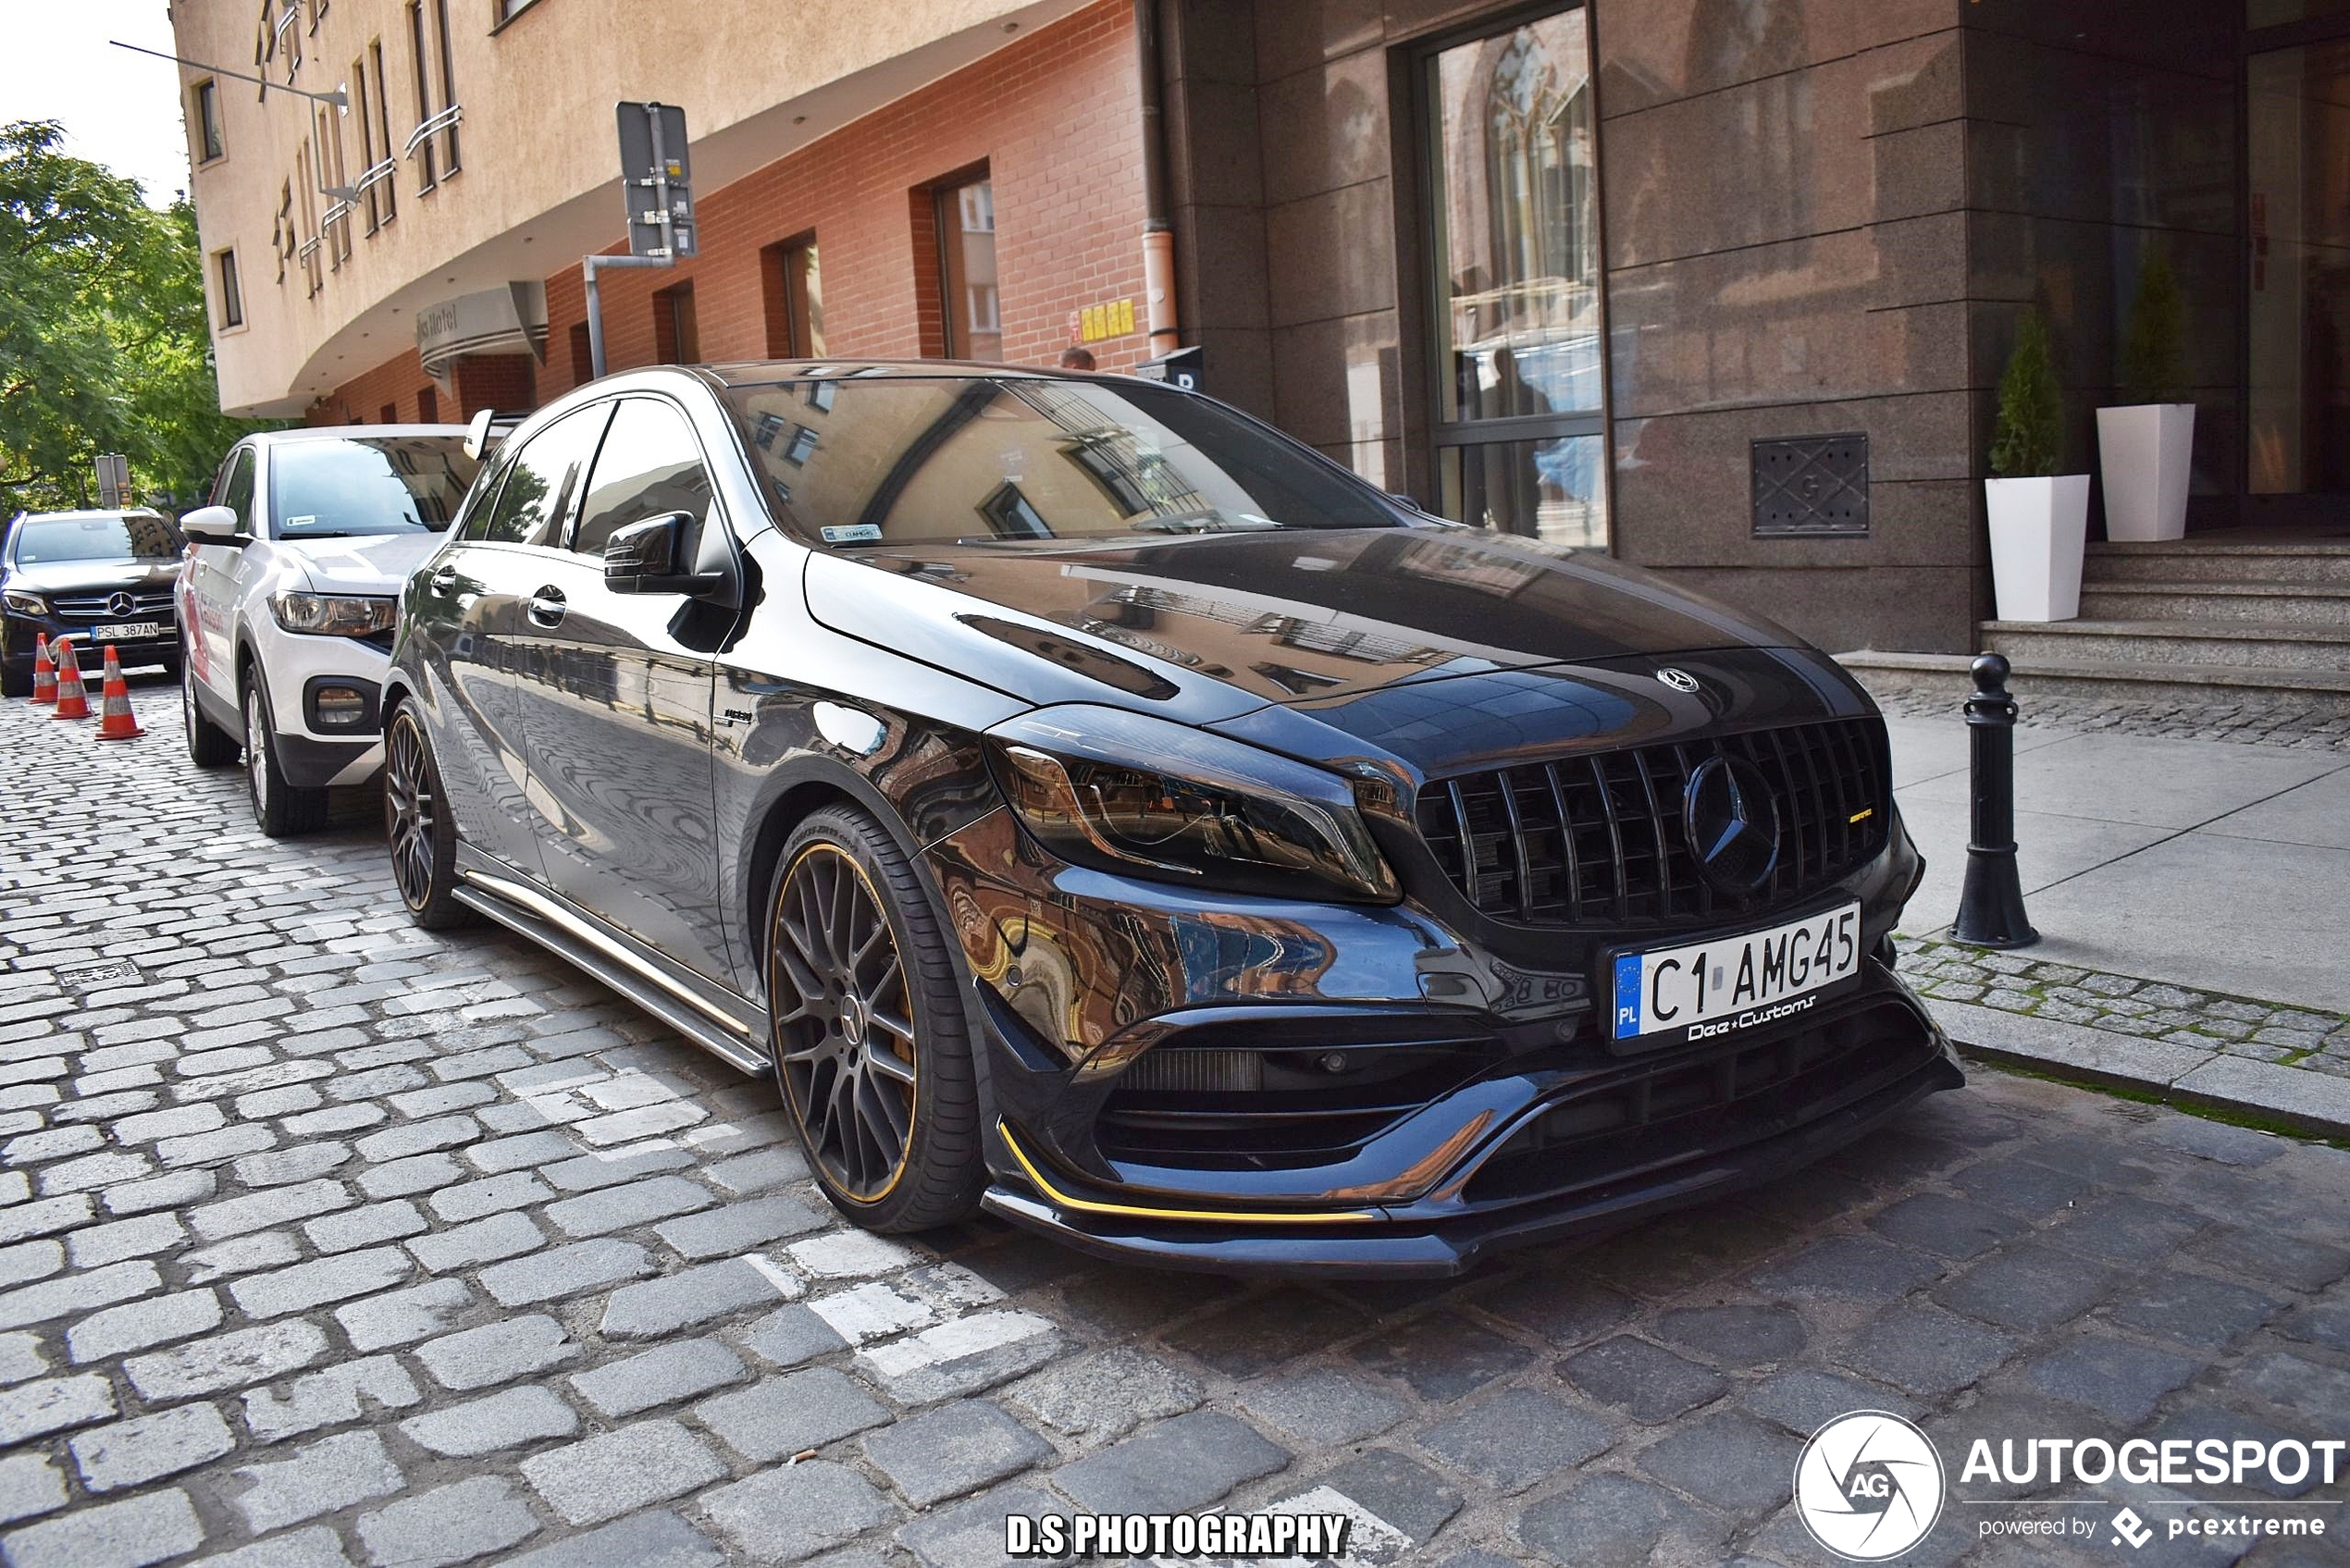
{"type": "Point", "coordinates": [650, 465]}
{"type": "Point", "coordinates": [236, 489]}
{"type": "Point", "coordinates": [541, 482]}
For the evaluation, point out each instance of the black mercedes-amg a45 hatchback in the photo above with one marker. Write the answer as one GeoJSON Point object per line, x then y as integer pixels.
{"type": "Point", "coordinates": [1095, 806]}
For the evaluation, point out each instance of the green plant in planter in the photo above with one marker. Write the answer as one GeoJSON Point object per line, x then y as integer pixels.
{"type": "Point", "coordinates": [2154, 354]}
{"type": "Point", "coordinates": [2028, 441]}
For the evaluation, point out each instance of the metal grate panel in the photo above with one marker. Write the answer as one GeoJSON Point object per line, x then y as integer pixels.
{"type": "Point", "coordinates": [1597, 840]}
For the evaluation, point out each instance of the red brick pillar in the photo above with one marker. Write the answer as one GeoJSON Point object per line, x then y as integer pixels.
{"type": "Point", "coordinates": [505, 382]}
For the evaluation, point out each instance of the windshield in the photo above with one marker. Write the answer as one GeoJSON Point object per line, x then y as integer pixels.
{"type": "Point", "coordinates": [138, 536]}
{"type": "Point", "coordinates": [921, 460]}
{"type": "Point", "coordinates": [388, 485]}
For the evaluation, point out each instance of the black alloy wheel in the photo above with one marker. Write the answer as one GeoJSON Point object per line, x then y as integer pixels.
{"type": "Point", "coordinates": [871, 1046]}
{"type": "Point", "coordinates": [416, 825]}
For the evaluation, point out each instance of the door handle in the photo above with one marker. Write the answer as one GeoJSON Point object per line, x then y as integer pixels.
{"type": "Point", "coordinates": [546, 607]}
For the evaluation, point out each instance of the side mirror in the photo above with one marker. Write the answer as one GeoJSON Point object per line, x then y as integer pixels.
{"type": "Point", "coordinates": [642, 558]}
{"type": "Point", "coordinates": [215, 525]}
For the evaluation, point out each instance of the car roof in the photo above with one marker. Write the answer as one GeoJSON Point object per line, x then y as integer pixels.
{"type": "Point", "coordinates": [757, 372]}
{"type": "Point", "coordinates": [352, 433]}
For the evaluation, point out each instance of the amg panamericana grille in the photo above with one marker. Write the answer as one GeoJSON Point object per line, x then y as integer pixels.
{"type": "Point", "coordinates": [1598, 839]}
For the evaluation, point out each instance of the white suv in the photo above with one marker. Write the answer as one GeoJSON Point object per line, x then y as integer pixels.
{"type": "Point", "coordinates": [289, 599]}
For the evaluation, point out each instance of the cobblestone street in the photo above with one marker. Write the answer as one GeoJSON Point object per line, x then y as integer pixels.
{"type": "Point", "coordinates": [325, 1241]}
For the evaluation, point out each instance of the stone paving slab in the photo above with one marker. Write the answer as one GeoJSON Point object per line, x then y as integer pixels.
{"type": "Point", "coordinates": [290, 1347]}
{"type": "Point", "coordinates": [2285, 1064]}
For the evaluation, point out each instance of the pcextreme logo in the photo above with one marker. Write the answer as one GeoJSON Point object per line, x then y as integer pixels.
{"type": "Point", "coordinates": [1868, 1486]}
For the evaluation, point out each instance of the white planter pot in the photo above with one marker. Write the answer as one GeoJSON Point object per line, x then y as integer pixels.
{"type": "Point", "coordinates": [2038, 528]}
{"type": "Point", "coordinates": [2145, 450]}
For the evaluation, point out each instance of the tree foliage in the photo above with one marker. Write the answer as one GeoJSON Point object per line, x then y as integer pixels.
{"type": "Point", "coordinates": [2029, 440]}
{"type": "Point", "coordinates": [2154, 345]}
{"type": "Point", "coordinates": [103, 344]}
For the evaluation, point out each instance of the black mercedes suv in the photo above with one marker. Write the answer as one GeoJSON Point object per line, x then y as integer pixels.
{"type": "Point", "coordinates": [1095, 806]}
{"type": "Point", "coordinates": [97, 577]}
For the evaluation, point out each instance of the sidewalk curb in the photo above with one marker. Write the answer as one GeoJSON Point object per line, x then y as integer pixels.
{"type": "Point", "coordinates": [2307, 1102]}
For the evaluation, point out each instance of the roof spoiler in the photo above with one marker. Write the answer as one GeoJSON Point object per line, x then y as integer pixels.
{"type": "Point", "coordinates": [484, 429]}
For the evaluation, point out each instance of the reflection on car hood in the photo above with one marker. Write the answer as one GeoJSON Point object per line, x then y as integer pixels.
{"type": "Point", "coordinates": [378, 564]}
{"type": "Point", "coordinates": [93, 576]}
{"type": "Point", "coordinates": [1226, 623]}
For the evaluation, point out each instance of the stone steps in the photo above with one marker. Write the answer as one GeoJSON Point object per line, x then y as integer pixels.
{"type": "Point", "coordinates": [2262, 644]}
{"type": "Point", "coordinates": [2305, 604]}
{"type": "Point", "coordinates": [2186, 561]}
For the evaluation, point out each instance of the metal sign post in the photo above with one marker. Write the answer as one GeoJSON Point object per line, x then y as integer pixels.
{"type": "Point", "coordinates": [652, 162]}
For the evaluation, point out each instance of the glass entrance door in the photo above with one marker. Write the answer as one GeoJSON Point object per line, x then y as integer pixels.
{"type": "Point", "coordinates": [1520, 436]}
{"type": "Point", "coordinates": [2297, 162]}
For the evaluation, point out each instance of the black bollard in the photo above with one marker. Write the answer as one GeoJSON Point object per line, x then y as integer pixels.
{"type": "Point", "coordinates": [1991, 899]}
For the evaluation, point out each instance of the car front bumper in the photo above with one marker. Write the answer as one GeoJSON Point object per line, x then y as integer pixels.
{"type": "Point", "coordinates": [1502, 1188]}
{"type": "Point", "coordinates": [1239, 1084]}
{"type": "Point", "coordinates": [21, 633]}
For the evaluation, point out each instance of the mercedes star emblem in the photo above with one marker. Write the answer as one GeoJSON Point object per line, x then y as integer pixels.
{"type": "Point", "coordinates": [1732, 823]}
{"type": "Point", "coordinates": [121, 605]}
{"type": "Point", "coordinates": [1679, 680]}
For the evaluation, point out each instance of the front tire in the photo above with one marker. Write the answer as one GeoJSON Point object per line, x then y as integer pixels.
{"type": "Point", "coordinates": [872, 1050]}
{"type": "Point", "coordinates": [16, 683]}
{"type": "Point", "coordinates": [280, 809]}
{"type": "Point", "coordinates": [209, 746]}
{"type": "Point", "coordinates": [422, 836]}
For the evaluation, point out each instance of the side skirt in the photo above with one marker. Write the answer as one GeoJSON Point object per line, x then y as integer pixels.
{"type": "Point", "coordinates": [532, 913]}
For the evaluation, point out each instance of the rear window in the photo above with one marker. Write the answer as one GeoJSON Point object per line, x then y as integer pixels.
{"type": "Point", "coordinates": [386, 485]}
{"type": "Point", "coordinates": [138, 536]}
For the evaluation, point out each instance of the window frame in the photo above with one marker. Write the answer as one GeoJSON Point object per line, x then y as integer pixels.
{"type": "Point", "coordinates": [228, 283]}
{"type": "Point", "coordinates": [211, 134]}
{"type": "Point", "coordinates": [953, 321]}
{"type": "Point", "coordinates": [718, 515]}
{"type": "Point", "coordinates": [1445, 430]}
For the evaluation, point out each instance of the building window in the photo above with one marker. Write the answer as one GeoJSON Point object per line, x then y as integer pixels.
{"type": "Point", "coordinates": [385, 194]}
{"type": "Point", "coordinates": [428, 406]}
{"type": "Point", "coordinates": [362, 112]}
{"type": "Point", "coordinates": [231, 303]}
{"type": "Point", "coordinates": [1520, 431]}
{"type": "Point", "coordinates": [677, 331]}
{"type": "Point", "coordinates": [335, 225]}
{"type": "Point", "coordinates": [207, 113]}
{"type": "Point", "coordinates": [970, 305]}
{"type": "Point", "coordinates": [794, 300]}
{"type": "Point", "coordinates": [427, 168]}
{"type": "Point", "coordinates": [388, 414]}
{"type": "Point", "coordinates": [508, 10]}
{"type": "Point", "coordinates": [583, 354]}
{"type": "Point", "coordinates": [450, 162]}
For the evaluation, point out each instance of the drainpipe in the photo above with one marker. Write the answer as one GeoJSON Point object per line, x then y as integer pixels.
{"type": "Point", "coordinates": [1158, 235]}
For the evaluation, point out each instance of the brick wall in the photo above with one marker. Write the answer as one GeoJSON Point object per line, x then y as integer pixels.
{"type": "Point", "coordinates": [396, 384]}
{"type": "Point", "coordinates": [1055, 119]}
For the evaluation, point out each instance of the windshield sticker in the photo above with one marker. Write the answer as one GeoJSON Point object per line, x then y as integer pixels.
{"type": "Point", "coordinates": [306, 520]}
{"type": "Point", "coordinates": [854, 534]}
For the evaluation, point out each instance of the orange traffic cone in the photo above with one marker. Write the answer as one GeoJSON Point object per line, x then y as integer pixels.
{"type": "Point", "coordinates": [45, 672]}
{"type": "Point", "coordinates": [116, 721]}
{"type": "Point", "coordinates": [73, 701]}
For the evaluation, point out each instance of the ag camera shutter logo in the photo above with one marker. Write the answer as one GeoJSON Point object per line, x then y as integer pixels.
{"type": "Point", "coordinates": [1869, 1486]}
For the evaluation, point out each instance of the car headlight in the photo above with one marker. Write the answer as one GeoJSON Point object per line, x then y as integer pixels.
{"type": "Point", "coordinates": [1121, 792]}
{"type": "Point", "coordinates": [331, 616]}
{"type": "Point", "coordinates": [25, 603]}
